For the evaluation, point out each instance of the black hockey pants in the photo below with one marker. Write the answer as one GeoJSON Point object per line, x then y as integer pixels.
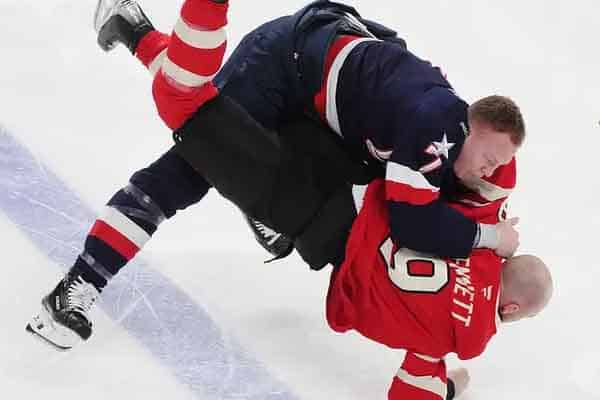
{"type": "Point", "coordinates": [298, 182]}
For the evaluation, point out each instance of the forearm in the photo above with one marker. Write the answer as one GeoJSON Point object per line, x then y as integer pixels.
{"type": "Point", "coordinates": [434, 228]}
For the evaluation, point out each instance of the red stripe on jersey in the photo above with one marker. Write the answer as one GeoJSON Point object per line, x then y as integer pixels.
{"type": "Point", "coordinates": [402, 192]}
{"type": "Point", "coordinates": [150, 46]}
{"type": "Point", "coordinates": [114, 239]}
{"type": "Point", "coordinates": [204, 14]}
{"type": "Point", "coordinates": [175, 106]}
{"type": "Point", "coordinates": [205, 62]}
{"type": "Point", "coordinates": [420, 366]}
{"type": "Point", "coordinates": [505, 176]}
{"type": "Point", "coordinates": [320, 99]}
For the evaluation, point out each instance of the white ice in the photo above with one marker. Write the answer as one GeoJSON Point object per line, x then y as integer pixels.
{"type": "Point", "coordinates": [90, 118]}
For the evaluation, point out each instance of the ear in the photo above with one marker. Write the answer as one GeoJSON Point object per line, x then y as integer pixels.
{"type": "Point", "coordinates": [509, 308]}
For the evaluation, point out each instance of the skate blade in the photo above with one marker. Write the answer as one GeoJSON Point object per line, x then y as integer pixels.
{"type": "Point", "coordinates": [104, 10]}
{"type": "Point", "coordinates": [45, 341]}
{"type": "Point", "coordinates": [45, 328]}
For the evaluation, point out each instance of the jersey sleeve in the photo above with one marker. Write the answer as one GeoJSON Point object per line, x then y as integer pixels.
{"type": "Point", "coordinates": [416, 173]}
{"type": "Point", "coordinates": [420, 378]}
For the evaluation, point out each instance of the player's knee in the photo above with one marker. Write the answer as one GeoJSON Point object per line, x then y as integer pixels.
{"type": "Point", "coordinates": [139, 207]}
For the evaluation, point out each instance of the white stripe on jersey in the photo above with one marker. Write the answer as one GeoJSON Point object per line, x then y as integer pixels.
{"type": "Point", "coordinates": [157, 62]}
{"type": "Point", "coordinates": [200, 39]}
{"type": "Point", "coordinates": [402, 174]}
{"type": "Point", "coordinates": [473, 203]}
{"type": "Point", "coordinates": [432, 384]}
{"type": "Point", "coordinates": [331, 113]}
{"type": "Point", "coordinates": [125, 226]}
{"type": "Point", "coordinates": [182, 76]}
{"type": "Point", "coordinates": [427, 358]}
{"type": "Point", "coordinates": [488, 190]}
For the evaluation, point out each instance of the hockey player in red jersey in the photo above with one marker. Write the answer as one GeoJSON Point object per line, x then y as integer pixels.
{"type": "Point", "coordinates": [432, 306]}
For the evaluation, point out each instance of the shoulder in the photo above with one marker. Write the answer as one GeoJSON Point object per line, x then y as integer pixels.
{"type": "Point", "coordinates": [441, 117]}
{"type": "Point", "coordinates": [440, 105]}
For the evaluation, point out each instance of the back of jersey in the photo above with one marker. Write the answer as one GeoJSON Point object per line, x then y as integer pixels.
{"type": "Point", "coordinates": [414, 301]}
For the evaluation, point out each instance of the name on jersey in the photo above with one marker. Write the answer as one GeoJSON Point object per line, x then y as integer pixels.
{"type": "Point", "coordinates": [463, 293]}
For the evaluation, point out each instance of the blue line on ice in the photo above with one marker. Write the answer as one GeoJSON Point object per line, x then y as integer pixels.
{"type": "Point", "coordinates": [175, 329]}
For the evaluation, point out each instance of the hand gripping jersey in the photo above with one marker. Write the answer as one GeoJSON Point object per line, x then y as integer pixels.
{"type": "Point", "coordinates": [408, 300]}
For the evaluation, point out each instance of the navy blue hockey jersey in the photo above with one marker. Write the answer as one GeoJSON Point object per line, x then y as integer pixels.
{"type": "Point", "coordinates": [387, 105]}
{"type": "Point", "coordinates": [402, 112]}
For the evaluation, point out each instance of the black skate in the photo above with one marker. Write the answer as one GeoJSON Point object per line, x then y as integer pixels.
{"type": "Point", "coordinates": [63, 321]}
{"type": "Point", "coordinates": [120, 21]}
{"type": "Point", "coordinates": [275, 243]}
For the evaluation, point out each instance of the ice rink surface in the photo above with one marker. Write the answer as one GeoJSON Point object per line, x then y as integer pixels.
{"type": "Point", "coordinates": [199, 316]}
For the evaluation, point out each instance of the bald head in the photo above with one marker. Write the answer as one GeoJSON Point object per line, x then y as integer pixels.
{"type": "Point", "coordinates": [526, 288]}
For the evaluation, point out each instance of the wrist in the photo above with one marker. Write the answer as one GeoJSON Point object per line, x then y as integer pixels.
{"type": "Point", "coordinates": [486, 237]}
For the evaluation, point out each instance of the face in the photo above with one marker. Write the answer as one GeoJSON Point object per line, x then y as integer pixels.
{"type": "Point", "coordinates": [484, 150]}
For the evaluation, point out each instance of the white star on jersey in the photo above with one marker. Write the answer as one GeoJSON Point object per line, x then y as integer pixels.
{"type": "Point", "coordinates": [441, 148]}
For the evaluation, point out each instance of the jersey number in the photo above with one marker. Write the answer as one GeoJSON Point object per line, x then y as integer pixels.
{"type": "Point", "coordinates": [412, 271]}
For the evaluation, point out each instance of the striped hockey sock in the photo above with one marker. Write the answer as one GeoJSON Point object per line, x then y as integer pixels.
{"type": "Point", "coordinates": [124, 227]}
{"type": "Point", "coordinates": [184, 64]}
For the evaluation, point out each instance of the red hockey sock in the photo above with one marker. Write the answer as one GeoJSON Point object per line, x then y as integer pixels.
{"type": "Point", "coordinates": [151, 45]}
{"type": "Point", "coordinates": [183, 80]}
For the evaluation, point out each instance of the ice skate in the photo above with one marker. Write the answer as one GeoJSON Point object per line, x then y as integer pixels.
{"type": "Point", "coordinates": [275, 243]}
{"type": "Point", "coordinates": [63, 321]}
{"type": "Point", "coordinates": [120, 21]}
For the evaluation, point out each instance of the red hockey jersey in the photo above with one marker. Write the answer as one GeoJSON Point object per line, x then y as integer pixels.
{"type": "Point", "coordinates": [426, 305]}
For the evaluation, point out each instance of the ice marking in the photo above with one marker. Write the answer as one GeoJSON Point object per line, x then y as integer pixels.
{"type": "Point", "coordinates": [174, 328]}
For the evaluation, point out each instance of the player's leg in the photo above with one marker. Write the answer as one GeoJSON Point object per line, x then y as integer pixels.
{"type": "Point", "coordinates": [182, 66]}
{"type": "Point", "coordinates": [297, 191]}
{"type": "Point", "coordinates": [129, 220]}
{"type": "Point", "coordinates": [260, 179]}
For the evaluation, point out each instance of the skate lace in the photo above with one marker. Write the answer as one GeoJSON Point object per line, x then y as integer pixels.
{"type": "Point", "coordinates": [264, 230]}
{"type": "Point", "coordinates": [81, 295]}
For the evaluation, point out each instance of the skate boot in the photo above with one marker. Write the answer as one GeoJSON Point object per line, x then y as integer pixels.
{"type": "Point", "coordinates": [120, 21]}
{"type": "Point", "coordinates": [275, 243]}
{"type": "Point", "coordinates": [63, 321]}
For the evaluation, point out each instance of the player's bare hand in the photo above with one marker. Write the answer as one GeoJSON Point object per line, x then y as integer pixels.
{"type": "Point", "coordinates": [508, 237]}
{"type": "Point", "coordinates": [460, 377]}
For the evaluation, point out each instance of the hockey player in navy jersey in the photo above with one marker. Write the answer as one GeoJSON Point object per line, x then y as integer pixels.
{"type": "Point", "coordinates": [390, 112]}
{"type": "Point", "coordinates": [386, 106]}
{"type": "Point", "coordinates": [307, 173]}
